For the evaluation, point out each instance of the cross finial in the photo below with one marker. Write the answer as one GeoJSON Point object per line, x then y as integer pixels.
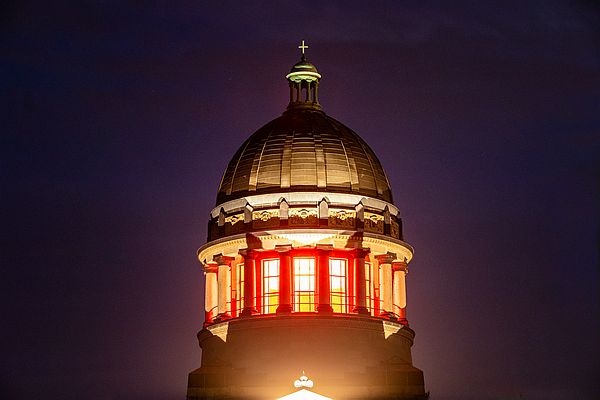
{"type": "Point", "coordinates": [303, 47]}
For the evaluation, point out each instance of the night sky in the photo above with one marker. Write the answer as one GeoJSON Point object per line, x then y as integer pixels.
{"type": "Point", "coordinates": [118, 119]}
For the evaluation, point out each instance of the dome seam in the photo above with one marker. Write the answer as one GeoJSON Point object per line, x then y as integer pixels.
{"type": "Point", "coordinates": [228, 192]}
{"type": "Point", "coordinates": [254, 175]}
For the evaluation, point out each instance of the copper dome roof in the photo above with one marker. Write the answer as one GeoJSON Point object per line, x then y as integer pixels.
{"type": "Point", "coordinates": [304, 150]}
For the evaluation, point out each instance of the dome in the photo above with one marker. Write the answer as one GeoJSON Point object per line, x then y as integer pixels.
{"type": "Point", "coordinates": [304, 150]}
{"type": "Point", "coordinates": [303, 70]}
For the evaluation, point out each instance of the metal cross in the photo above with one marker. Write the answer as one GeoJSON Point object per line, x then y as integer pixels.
{"type": "Point", "coordinates": [303, 47]}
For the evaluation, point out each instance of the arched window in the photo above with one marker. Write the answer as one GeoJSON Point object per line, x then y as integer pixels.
{"type": "Point", "coordinates": [270, 286]}
{"type": "Point", "coordinates": [338, 273]}
{"type": "Point", "coordinates": [304, 284]}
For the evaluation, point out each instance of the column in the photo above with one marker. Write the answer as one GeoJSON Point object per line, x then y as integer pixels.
{"type": "Point", "coordinates": [323, 282]}
{"type": "Point", "coordinates": [400, 270]}
{"type": "Point", "coordinates": [249, 283]}
{"type": "Point", "coordinates": [285, 283]}
{"type": "Point", "coordinates": [360, 290]}
{"type": "Point", "coordinates": [385, 284]}
{"type": "Point", "coordinates": [224, 285]}
{"type": "Point", "coordinates": [224, 282]}
{"type": "Point", "coordinates": [210, 293]}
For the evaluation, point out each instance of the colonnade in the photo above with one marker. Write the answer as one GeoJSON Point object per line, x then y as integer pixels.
{"type": "Point", "coordinates": [388, 293]}
{"type": "Point", "coordinates": [310, 90]}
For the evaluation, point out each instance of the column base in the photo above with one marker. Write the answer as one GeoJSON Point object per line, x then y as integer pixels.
{"type": "Point", "coordinates": [284, 309]}
{"type": "Point", "coordinates": [389, 315]}
{"type": "Point", "coordinates": [222, 317]}
{"type": "Point", "coordinates": [325, 308]}
{"type": "Point", "coordinates": [361, 311]}
{"type": "Point", "coordinates": [248, 312]}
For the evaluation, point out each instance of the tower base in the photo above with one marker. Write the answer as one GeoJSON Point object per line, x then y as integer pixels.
{"type": "Point", "coordinates": [347, 356]}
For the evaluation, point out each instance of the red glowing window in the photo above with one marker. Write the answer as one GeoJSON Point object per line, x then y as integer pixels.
{"type": "Point", "coordinates": [270, 286]}
{"type": "Point", "coordinates": [338, 273]}
{"type": "Point", "coordinates": [304, 284]}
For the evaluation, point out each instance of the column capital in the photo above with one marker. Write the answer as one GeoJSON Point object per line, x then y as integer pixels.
{"type": "Point", "coordinates": [400, 266]}
{"type": "Point", "coordinates": [360, 252]}
{"type": "Point", "coordinates": [283, 248]}
{"type": "Point", "coordinates": [211, 267]}
{"type": "Point", "coordinates": [386, 258]}
{"type": "Point", "coordinates": [248, 253]}
{"type": "Point", "coordinates": [223, 260]}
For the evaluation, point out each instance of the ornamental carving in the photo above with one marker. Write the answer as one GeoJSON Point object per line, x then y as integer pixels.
{"type": "Point", "coordinates": [303, 217]}
{"type": "Point", "coordinates": [395, 229]}
{"type": "Point", "coordinates": [265, 219]}
{"type": "Point", "coordinates": [373, 222]}
{"type": "Point", "coordinates": [342, 218]}
{"type": "Point", "coordinates": [234, 224]}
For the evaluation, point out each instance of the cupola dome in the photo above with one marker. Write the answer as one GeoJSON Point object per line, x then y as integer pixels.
{"type": "Point", "coordinates": [304, 150]}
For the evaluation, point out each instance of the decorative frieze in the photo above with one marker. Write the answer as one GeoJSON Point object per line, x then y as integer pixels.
{"type": "Point", "coordinates": [395, 229]}
{"type": "Point", "coordinates": [320, 215]}
{"type": "Point", "coordinates": [303, 217]}
{"type": "Point", "coordinates": [374, 222]}
{"type": "Point", "coordinates": [339, 218]}
{"type": "Point", "coordinates": [265, 219]}
{"type": "Point", "coordinates": [234, 224]}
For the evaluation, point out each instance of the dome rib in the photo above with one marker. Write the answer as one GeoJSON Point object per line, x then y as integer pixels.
{"type": "Point", "coordinates": [379, 190]}
{"type": "Point", "coordinates": [304, 150]}
{"type": "Point", "coordinates": [254, 172]}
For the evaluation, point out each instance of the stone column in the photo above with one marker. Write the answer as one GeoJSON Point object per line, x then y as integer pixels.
{"type": "Point", "coordinates": [360, 290]}
{"type": "Point", "coordinates": [400, 270]}
{"type": "Point", "coordinates": [224, 284]}
{"type": "Point", "coordinates": [249, 283]}
{"type": "Point", "coordinates": [210, 293]}
{"type": "Point", "coordinates": [385, 285]}
{"type": "Point", "coordinates": [324, 282]}
{"type": "Point", "coordinates": [285, 283]}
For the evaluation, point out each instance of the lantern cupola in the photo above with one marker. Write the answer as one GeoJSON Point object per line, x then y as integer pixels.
{"type": "Point", "coordinates": [303, 80]}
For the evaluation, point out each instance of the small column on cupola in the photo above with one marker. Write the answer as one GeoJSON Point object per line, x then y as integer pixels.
{"type": "Point", "coordinates": [304, 80]}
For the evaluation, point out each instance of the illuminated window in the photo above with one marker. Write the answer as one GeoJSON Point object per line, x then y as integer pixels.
{"type": "Point", "coordinates": [239, 297]}
{"type": "Point", "coordinates": [368, 287]}
{"type": "Point", "coordinates": [338, 270]}
{"type": "Point", "coordinates": [304, 284]}
{"type": "Point", "coordinates": [270, 286]}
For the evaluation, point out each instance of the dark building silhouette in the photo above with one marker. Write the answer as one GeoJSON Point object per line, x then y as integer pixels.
{"type": "Point", "coordinates": [305, 266]}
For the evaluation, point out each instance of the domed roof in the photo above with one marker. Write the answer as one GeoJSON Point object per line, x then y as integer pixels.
{"type": "Point", "coordinates": [304, 150]}
{"type": "Point", "coordinates": [303, 70]}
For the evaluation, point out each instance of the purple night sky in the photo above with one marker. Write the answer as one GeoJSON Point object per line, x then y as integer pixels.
{"type": "Point", "coordinates": [119, 119]}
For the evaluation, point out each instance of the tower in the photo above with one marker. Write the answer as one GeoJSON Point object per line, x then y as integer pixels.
{"type": "Point", "coordinates": [305, 265]}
